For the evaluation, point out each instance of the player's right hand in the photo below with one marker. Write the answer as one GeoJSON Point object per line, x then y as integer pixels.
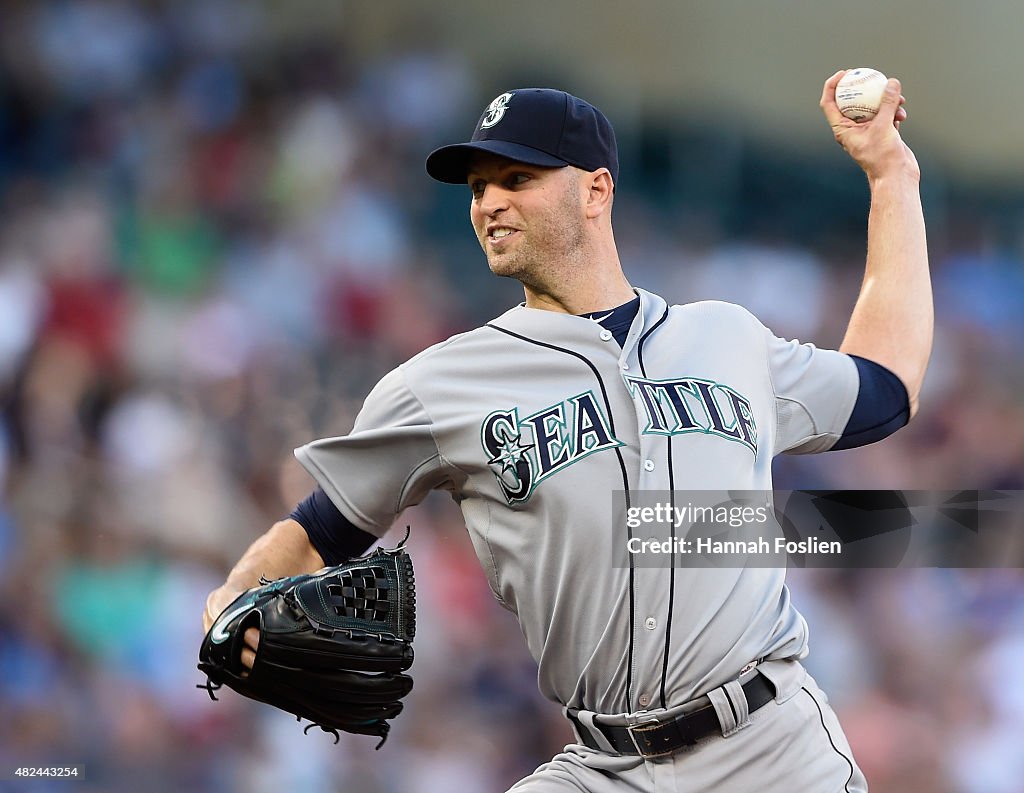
{"type": "Point", "coordinates": [252, 641]}
{"type": "Point", "coordinates": [875, 145]}
{"type": "Point", "coordinates": [216, 602]}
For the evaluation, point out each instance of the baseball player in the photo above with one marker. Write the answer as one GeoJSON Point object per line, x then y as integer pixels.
{"type": "Point", "coordinates": [673, 679]}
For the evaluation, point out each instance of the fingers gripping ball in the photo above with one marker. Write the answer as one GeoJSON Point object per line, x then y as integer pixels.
{"type": "Point", "coordinates": [333, 644]}
{"type": "Point", "coordinates": [859, 93]}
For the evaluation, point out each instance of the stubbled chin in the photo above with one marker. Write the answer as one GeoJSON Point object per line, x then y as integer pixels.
{"type": "Point", "coordinates": [503, 264]}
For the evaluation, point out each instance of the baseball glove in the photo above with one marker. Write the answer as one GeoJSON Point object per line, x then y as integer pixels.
{"type": "Point", "coordinates": [333, 644]}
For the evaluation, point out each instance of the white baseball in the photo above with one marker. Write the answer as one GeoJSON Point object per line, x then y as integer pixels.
{"type": "Point", "coordinates": [859, 93]}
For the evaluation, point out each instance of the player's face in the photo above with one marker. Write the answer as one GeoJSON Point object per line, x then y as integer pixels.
{"type": "Point", "coordinates": [528, 219]}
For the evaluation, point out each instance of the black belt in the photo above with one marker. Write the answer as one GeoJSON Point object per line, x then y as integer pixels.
{"type": "Point", "coordinates": [655, 739]}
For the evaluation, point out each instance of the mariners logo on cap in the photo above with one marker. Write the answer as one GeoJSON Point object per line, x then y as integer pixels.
{"type": "Point", "coordinates": [495, 110]}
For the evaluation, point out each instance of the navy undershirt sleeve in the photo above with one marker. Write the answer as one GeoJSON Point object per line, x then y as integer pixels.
{"type": "Point", "coordinates": [882, 407]}
{"type": "Point", "coordinates": [333, 535]}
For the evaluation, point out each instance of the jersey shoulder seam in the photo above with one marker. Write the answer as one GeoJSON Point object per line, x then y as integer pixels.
{"type": "Point", "coordinates": [430, 425]}
{"type": "Point", "coordinates": [440, 455]}
{"type": "Point", "coordinates": [762, 333]}
{"type": "Point", "coordinates": [437, 348]}
{"type": "Point", "coordinates": [496, 590]}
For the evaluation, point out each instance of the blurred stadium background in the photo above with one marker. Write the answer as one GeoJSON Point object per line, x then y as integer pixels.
{"type": "Point", "coordinates": [216, 234]}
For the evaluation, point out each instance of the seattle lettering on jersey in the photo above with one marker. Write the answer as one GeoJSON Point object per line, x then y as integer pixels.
{"type": "Point", "coordinates": [522, 454]}
{"type": "Point", "coordinates": [675, 407]}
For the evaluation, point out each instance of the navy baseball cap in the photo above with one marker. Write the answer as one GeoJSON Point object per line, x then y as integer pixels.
{"type": "Point", "coordinates": [538, 126]}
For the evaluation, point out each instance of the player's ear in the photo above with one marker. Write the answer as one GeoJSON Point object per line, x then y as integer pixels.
{"type": "Point", "coordinates": [599, 192]}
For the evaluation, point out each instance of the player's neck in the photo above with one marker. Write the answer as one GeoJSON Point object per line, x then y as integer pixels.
{"type": "Point", "coordinates": [582, 291]}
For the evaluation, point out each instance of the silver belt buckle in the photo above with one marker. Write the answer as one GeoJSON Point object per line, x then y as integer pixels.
{"type": "Point", "coordinates": [632, 728]}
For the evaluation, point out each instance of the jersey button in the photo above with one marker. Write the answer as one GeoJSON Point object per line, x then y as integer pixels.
{"type": "Point", "coordinates": [644, 700]}
{"type": "Point", "coordinates": [606, 335]}
{"type": "Point", "coordinates": [648, 465]}
{"type": "Point", "coordinates": [625, 366]}
{"type": "Point", "coordinates": [650, 623]}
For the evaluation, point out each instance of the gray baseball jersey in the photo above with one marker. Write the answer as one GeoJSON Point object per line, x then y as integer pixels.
{"type": "Point", "coordinates": [534, 420]}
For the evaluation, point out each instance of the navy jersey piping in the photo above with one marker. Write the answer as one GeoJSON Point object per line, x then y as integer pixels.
{"type": "Point", "coordinates": [625, 486]}
{"type": "Point", "coordinates": [672, 528]}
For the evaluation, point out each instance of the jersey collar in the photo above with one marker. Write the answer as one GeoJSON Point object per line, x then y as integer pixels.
{"type": "Point", "coordinates": [569, 329]}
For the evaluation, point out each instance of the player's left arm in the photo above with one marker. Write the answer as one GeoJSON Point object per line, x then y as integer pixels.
{"type": "Point", "coordinates": [892, 321]}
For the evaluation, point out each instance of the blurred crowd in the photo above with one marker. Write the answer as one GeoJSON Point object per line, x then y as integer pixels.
{"type": "Point", "coordinates": [215, 236]}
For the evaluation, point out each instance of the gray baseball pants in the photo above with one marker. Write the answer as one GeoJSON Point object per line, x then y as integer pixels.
{"type": "Point", "coordinates": [793, 744]}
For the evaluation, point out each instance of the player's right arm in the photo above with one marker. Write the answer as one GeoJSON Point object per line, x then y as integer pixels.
{"type": "Point", "coordinates": [388, 462]}
{"type": "Point", "coordinates": [283, 551]}
{"type": "Point", "coordinates": [315, 534]}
